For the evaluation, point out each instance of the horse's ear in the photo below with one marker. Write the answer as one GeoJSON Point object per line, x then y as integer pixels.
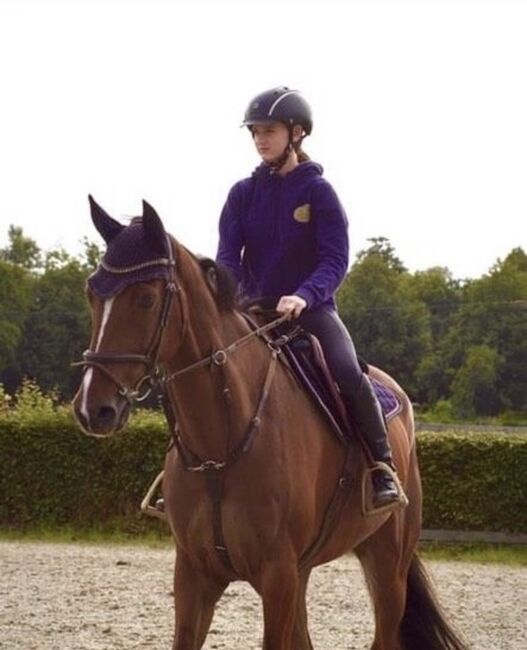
{"type": "Point", "coordinates": [107, 227]}
{"type": "Point", "coordinates": [154, 230]}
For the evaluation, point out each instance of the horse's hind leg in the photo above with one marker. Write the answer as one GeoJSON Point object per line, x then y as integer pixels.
{"type": "Point", "coordinates": [385, 560]}
{"type": "Point", "coordinates": [301, 639]}
{"type": "Point", "coordinates": [195, 596]}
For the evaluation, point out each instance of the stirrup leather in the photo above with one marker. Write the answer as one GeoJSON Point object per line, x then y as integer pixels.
{"type": "Point", "coordinates": [146, 506]}
{"type": "Point", "coordinates": [368, 508]}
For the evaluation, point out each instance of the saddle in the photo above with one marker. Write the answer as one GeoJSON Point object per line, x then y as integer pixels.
{"type": "Point", "coordinates": [307, 362]}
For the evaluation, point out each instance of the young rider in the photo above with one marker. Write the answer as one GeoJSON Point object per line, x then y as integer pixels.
{"type": "Point", "coordinates": [283, 234]}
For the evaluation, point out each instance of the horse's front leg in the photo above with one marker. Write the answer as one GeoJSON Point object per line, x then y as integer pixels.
{"type": "Point", "coordinates": [195, 596]}
{"type": "Point", "coordinates": [301, 638]}
{"type": "Point", "coordinates": [278, 589]}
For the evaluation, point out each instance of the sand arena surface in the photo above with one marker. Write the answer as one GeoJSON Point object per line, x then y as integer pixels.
{"type": "Point", "coordinates": [84, 597]}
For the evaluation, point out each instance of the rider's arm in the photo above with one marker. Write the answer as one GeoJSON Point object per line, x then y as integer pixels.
{"type": "Point", "coordinates": [332, 247]}
{"type": "Point", "coordinates": [231, 241]}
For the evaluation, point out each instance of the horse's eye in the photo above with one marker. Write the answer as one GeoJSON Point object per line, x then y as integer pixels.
{"type": "Point", "coordinates": [146, 300]}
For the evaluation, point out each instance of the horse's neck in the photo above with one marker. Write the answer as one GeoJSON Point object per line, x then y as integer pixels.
{"type": "Point", "coordinates": [215, 403]}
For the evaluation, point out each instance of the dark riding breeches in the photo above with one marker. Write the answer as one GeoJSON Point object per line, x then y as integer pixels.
{"type": "Point", "coordinates": [337, 345]}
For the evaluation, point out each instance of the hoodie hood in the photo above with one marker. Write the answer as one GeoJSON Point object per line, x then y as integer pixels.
{"type": "Point", "coordinates": [302, 170]}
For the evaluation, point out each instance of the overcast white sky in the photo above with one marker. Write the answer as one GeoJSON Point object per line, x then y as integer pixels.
{"type": "Point", "coordinates": [420, 115]}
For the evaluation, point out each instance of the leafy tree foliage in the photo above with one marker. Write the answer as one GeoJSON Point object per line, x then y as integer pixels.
{"type": "Point", "coordinates": [57, 329]}
{"type": "Point", "coordinates": [435, 334]}
{"type": "Point", "coordinates": [475, 385]}
{"type": "Point", "coordinates": [44, 318]}
{"type": "Point", "coordinates": [389, 326]}
{"type": "Point", "coordinates": [21, 250]}
{"type": "Point", "coordinates": [441, 294]}
{"type": "Point", "coordinates": [16, 288]}
{"type": "Point", "coordinates": [494, 314]}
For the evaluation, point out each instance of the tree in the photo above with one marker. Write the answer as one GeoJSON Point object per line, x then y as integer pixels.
{"type": "Point", "coordinates": [381, 248]}
{"type": "Point", "coordinates": [21, 250]}
{"type": "Point", "coordinates": [16, 288]}
{"type": "Point", "coordinates": [475, 386]}
{"type": "Point", "coordinates": [91, 255]}
{"type": "Point", "coordinates": [441, 294]}
{"type": "Point", "coordinates": [492, 313]}
{"type": "Point", "coordinates": [57, 329]}
{"type": "Point", "coordinates": [389, 326]}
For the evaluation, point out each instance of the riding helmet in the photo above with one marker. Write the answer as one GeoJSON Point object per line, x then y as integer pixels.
{"type": "Point", "coordinates": [279, 105]}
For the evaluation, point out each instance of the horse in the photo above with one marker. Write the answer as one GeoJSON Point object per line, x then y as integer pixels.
{"type": "Point", "coordinates": [256, 486]}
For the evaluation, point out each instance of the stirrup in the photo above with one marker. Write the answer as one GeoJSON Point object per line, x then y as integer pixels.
{"type": "Point", "coordinates": [146, 507]}
{"type": "Point", "coordinates": [368, 509]}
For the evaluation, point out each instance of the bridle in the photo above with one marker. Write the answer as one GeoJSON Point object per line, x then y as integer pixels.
{"type": "Point", "coordinates": [146, 383]}
{"type": "Point", "coordinates": [152, 375]}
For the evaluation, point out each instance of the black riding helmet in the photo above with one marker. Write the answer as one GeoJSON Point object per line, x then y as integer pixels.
{"type": "Point", "coordinates": [279, 105]}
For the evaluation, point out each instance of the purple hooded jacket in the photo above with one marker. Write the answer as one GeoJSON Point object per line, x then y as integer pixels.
{"type": "Point", "coordinates": [284, 235]}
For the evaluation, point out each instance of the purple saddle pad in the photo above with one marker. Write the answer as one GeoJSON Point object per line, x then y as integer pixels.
{"type": "Point", "coordinates": [387, 398]}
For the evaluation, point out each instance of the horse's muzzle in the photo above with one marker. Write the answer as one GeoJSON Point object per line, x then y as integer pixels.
{"type": "Point", "coordinates": [101, 419]}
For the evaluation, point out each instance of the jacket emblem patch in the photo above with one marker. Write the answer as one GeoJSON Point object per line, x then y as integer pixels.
{"type": "Point", "coordinates": [302, 214]}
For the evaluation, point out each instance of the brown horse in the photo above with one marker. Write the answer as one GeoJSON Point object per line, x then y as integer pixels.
{"type": "Point", "coordinates": [256, 486]}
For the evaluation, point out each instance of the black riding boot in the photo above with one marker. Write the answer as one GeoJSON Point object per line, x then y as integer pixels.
{"type": "Point", "coordinates": [365, 410]}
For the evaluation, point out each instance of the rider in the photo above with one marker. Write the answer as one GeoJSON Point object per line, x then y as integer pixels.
{"type": "Point", "coordinates": [283, 234]}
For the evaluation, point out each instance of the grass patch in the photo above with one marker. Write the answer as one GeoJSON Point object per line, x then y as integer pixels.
{"type": "Point", "coordinates": [154, 534]}
{"type": "Point", "coordinates": [142, 533]}
{"type": "Point", "coordinates": [480, 553]}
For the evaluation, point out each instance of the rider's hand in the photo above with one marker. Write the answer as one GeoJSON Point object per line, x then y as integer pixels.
{"type": "Point", "coordinates": [291, 306]}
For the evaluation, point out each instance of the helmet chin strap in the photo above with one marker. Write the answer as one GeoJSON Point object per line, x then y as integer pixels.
{"type": "Point", "coordinates": [276, 165]}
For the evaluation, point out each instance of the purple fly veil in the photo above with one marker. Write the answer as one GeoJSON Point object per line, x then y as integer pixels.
{"type": "Point", "coordinates": [135, 253]}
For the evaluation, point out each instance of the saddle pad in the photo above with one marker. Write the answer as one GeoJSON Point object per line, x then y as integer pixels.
{"type": "Point", "coordinates": [387, 398]}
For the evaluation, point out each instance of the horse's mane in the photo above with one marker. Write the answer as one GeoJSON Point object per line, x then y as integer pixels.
{"type": "Point", "coordinates": [222, 284]}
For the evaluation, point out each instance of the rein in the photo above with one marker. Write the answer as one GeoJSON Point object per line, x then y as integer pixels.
{"type": "Point", "coordinates": [219, 357]}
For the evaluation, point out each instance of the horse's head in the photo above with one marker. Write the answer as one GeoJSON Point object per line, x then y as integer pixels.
{"type": "Point", "coordinates": [132, 295]}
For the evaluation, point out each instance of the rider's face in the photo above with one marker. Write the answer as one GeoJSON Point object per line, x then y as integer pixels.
{"type": "Point", "coordinates": [270, 139]}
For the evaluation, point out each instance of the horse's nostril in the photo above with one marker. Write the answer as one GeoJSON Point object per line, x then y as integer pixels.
{"type": "Point", "coordinates": [106, 415]}
{"type": "Point", "coordinates": [81, 418]}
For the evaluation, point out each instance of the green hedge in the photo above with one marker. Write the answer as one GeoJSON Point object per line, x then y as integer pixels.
{"type": "Point", "coordinates": [51, 474]}
{"type": "Point", "coordinates": [474, 481]}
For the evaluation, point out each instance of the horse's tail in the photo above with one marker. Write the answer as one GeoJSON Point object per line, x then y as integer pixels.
{"type": "Point", "coordinates": [424, 624]}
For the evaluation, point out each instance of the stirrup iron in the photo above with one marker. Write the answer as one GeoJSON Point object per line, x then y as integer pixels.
{"type": "Point", "coordinates": [368, 508]}
{"type": "Point", "coordinates": [146, 507]}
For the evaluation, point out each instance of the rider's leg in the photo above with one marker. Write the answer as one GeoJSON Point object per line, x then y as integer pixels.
{"type": "Point", "coordinates": [367, 413]}
{"type": "Point", "coordinates": [357, 393]}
